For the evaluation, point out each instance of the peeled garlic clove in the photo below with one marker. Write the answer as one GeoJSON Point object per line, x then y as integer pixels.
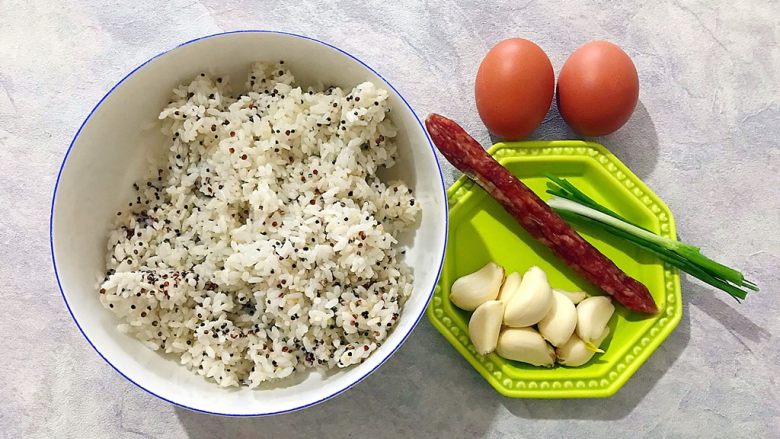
{"type": "Point", "coordinates": [470, 291]}
{"type": "Point", "coordinates": [485, 325]}
{"type": "Point", "coordinates": [593, 314]}
{"type": "Point", "coordinates": [575, 352]}
{"type": "Point", "coordinates": [509, 288]}
{"type": "Point", "coordinates": [575, 296]}
{"type": "Point", "coordinates": [530, 302]}
{"type": "Point", "coordinates": [559, 323]}
{"type": "Point", "coordinates": [526, 345]}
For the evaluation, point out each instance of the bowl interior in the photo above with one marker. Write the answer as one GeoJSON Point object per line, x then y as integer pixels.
{"type": "Point", "coordinates": [113, 149]}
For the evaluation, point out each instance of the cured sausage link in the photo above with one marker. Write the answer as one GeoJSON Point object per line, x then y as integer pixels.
{"type": "Point", "coordinates": [535, 215]}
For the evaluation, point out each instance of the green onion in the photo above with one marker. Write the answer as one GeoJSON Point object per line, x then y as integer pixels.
{"type": "Point", "coordinates": [574, 206]}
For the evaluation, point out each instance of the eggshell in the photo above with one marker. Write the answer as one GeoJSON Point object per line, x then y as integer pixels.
{"type": "Point", "coordinates": [514, 88]}
{"type": "Point", "coordinates": [598, 89]}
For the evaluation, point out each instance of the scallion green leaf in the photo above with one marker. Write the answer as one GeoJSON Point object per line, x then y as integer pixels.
{"type": "Point", "coordinates": [575, 206]}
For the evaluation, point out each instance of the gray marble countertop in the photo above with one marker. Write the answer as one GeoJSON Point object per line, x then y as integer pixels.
{"type": "Point", "coordinates": [704, 138]}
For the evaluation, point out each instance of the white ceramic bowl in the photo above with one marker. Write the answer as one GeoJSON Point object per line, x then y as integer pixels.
{"type": "Point", "coordinates": [109, 153]}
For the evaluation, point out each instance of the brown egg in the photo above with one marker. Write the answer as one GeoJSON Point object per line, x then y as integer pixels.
{"type": "Point", "coordinates": [598, 88]}
{"type": "Point", "coordinates": [514, 88]}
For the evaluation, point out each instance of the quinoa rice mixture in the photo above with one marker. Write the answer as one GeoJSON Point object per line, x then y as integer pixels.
{"type": "Point", "coordinates": [266, 244]}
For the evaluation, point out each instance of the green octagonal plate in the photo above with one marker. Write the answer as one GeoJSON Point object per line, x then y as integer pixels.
{"type": "Point", "coordinates": [481, 231]}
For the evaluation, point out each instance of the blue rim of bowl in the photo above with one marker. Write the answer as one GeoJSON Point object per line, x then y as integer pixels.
{"type": "Point", "coordinates": [338, 392]}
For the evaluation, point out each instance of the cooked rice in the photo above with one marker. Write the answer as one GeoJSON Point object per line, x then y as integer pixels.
{"type": "Point", "coordinates": [267, 243]}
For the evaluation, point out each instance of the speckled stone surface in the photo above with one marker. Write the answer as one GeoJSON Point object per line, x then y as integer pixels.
{"type": "Point", "coordinates": [704, 137]}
